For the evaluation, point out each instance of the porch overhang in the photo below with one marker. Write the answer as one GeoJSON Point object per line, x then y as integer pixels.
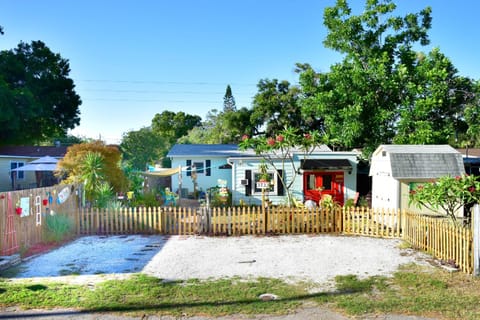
{"type": "Point", "coordinates": [326, 164]}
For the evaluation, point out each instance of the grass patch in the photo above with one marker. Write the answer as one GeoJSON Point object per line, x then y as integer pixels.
{"type": "Point", "coordinates": [412, 290]}
{"type": "Point", "coordinates": [142, 293]}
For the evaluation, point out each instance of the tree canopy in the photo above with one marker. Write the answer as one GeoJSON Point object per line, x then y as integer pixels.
{"type": "Point", "coordinates": [383, 91]}
{"type": "Point", "coordinates": [142, 147]}
{"type": "Point", "coordinates": [102, 163]}
{"type": "Point", "coordinates": [37, 97]}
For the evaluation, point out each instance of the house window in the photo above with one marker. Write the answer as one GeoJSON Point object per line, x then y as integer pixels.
{"type": "Point", "coordinates": [199, 167]}
{"type": "Point", "coordinates": [327, 182]}
{"type": "Point", "coordinates": [271, 180]}
{"type": "Point", "coordinates": [20, 175]}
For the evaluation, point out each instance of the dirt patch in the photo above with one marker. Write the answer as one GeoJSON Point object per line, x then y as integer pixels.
{"type": "Point", "coordinates": [41, 248]}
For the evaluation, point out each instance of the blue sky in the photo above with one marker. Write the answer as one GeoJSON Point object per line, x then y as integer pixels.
{"type": "Point", "coordinates": [133, 59]}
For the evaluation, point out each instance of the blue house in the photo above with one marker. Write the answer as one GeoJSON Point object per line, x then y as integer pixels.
{"type": "Point", "coordinates": [309, 177]}
{"type": "Point", "coordinates": [209, 162]}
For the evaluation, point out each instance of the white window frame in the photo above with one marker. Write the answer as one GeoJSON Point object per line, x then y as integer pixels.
{"type": "Point", "coordinates": [204, 169]}
{"type": "Point", "coordinates": [273, 189]}
{"type": "Point", "coordinates": [20, 175]}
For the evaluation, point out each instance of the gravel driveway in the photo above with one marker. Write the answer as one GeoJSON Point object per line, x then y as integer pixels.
{"type": "Point", "coordinates": [316, 259]}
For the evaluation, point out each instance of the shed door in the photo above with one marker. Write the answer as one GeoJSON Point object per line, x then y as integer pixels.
{"type": "Point", "coordinates": [318, 184]}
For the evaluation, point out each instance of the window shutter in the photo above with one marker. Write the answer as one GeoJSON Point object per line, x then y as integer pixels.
{"type": "Point", "coordinates": [280, 191]}
{"type": "Point", "coordinates": [189, 168]}
{"type": "Point", "coordinates": [248, 187]}
{"type": "Point", "coordinates": [208, 164]}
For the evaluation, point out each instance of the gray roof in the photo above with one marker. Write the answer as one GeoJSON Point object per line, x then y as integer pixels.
{"type": "Point", "coordinates": [202, 150]}
{"type": "Point", "coordinates": [423, 161]}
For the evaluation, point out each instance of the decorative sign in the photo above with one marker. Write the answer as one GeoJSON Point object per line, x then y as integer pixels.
{"type": "Point", "coordinates": [25, 205]}
{"type": "Point", "coordinates": [63, 195]}
{"type": "Point", "coordinates": [263, 185]}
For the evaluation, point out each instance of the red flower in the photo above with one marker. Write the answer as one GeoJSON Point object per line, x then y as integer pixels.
{"type": "Point", "coordinates": [412, 192]}
{"type": "Point", "coordinates": [280, 138]}
{"type": "Point", "coordinates": [307, 136]}
{"type": "Point", "coordinates": [18, 210]}
{"type": "Point", "coordinates": [244, 137]}
{"type": "Point", "coordinates": [270, 141]}
{"type": "Point", "coordinates": [458, 178]}
{"type": "Point", "coordinates": [471, 189]}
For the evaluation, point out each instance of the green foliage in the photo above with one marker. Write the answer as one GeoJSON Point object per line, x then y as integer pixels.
{"type": "Point", "coordinates": [383, 91]}
{"type": "Point", "coordinates": [277, 150]}
{"type": "Point", "coordinates": [147, 199]}
{"type": "Point", "coordinates": [135, 179]}
{"type": "Point", "coordinates": [276, 106]}
{"type": "Point", "coordinates": [58, 227]}
{"type": "Point", "coordinates": [447, 195]}
{"type": "Point", "coordinates": [92, 173]}
{"type": "Point", "coordinates": [37, 96]}
{"type": "Point", "coordinates": [171, 126]}
{"type": "Point", "coordinates": [104, 195]}
{"type": "Point", "coordinates": [95, 169]}
{"type": "Point", "coordinates": [229, 100]}
{"type": "Point", "coordinates": [142, 147]}
{"type": "Point", "coordinates": [220, 197]}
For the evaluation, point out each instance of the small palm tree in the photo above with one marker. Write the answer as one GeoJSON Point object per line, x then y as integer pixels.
{"type": "Point", "coordinates": [92, 173]}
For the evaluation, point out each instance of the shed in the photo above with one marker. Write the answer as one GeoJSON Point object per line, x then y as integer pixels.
{"type": "Point", "coordinates": [395, 169]}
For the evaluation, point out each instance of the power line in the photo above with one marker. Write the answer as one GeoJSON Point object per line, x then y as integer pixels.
{"type": "Point", "coordinates": [202, 83]}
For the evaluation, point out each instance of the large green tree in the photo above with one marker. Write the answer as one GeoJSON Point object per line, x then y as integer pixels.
{"type": "Point", "coordinates": [433, 109]}
{"type": "Point", "coordinates": [359, 96]}
{"type": "Point", "coordinates": [37, 97]}
{"type": "Point", "coordinates": [141, 147]}
{"type": "Point", "coordinates": [171, 126]}
{"type": "Point", "coordinates": [383, 91]}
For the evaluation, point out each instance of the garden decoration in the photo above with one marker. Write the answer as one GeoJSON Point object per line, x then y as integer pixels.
{"type": "Point", "coordinates": [10, 244]}
{"type": "Point", "coordinates": [38, 210]}
{"type": "Point", "coordinates": [25, 206]}
{"type": "Point", "coordinates": [63, 195]}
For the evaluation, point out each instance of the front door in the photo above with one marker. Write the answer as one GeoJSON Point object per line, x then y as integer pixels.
{"type": "Point", "coordinates": [318, 184]}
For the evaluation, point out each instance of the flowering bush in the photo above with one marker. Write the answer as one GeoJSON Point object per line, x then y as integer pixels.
{"type": "Point", "coordinates": [276, 151]}
{"type": "Point", "coordinates": [448, 193]}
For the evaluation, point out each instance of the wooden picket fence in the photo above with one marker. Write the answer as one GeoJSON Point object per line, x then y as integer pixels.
{"type": "Point", "coordinates": [213, 221]}
{"type": "Point", "coordinates": [436, 236]}
{"type": "Point", "coordinates": [441, 238]}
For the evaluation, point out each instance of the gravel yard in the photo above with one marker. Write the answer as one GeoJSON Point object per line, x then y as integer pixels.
{"type": "Point", "coordinates": [316, 259]}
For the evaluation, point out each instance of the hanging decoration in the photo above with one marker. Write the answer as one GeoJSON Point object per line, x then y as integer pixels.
{"type": "Point", "coordinates": [38, 211]}
{"type": "Point", "coordinates": [63, 195]}
{"type": "Point", "coordinates": [25, 206]}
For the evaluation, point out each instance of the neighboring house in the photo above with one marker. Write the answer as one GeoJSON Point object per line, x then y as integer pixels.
{"type": "Point", "coordinates": [12, 157]}
{"type": "Point", "coordinates": [207, 161]}
{"type": "Point", "coordinates": [322, 172]}
{"type": "Point", "coordinates": [471, 160]}
{"type": "Point", "coordinates": [397, 169]}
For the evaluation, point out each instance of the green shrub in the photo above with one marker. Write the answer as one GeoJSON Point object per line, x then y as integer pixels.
{"type": "Point", "coordinates": [58, 227]}
{"type": "Point", "coordinates": [148, 199]}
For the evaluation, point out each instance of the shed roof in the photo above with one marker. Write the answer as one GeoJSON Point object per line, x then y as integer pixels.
{"type": "Point", "coordinates": [422, 161]}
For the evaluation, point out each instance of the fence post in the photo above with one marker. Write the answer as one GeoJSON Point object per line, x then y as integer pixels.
{"type": "Point", "coordinates": [476, 240]}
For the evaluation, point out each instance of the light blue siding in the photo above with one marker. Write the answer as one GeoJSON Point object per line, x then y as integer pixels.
{"type": "Point", "coordinates": [203, 181]}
